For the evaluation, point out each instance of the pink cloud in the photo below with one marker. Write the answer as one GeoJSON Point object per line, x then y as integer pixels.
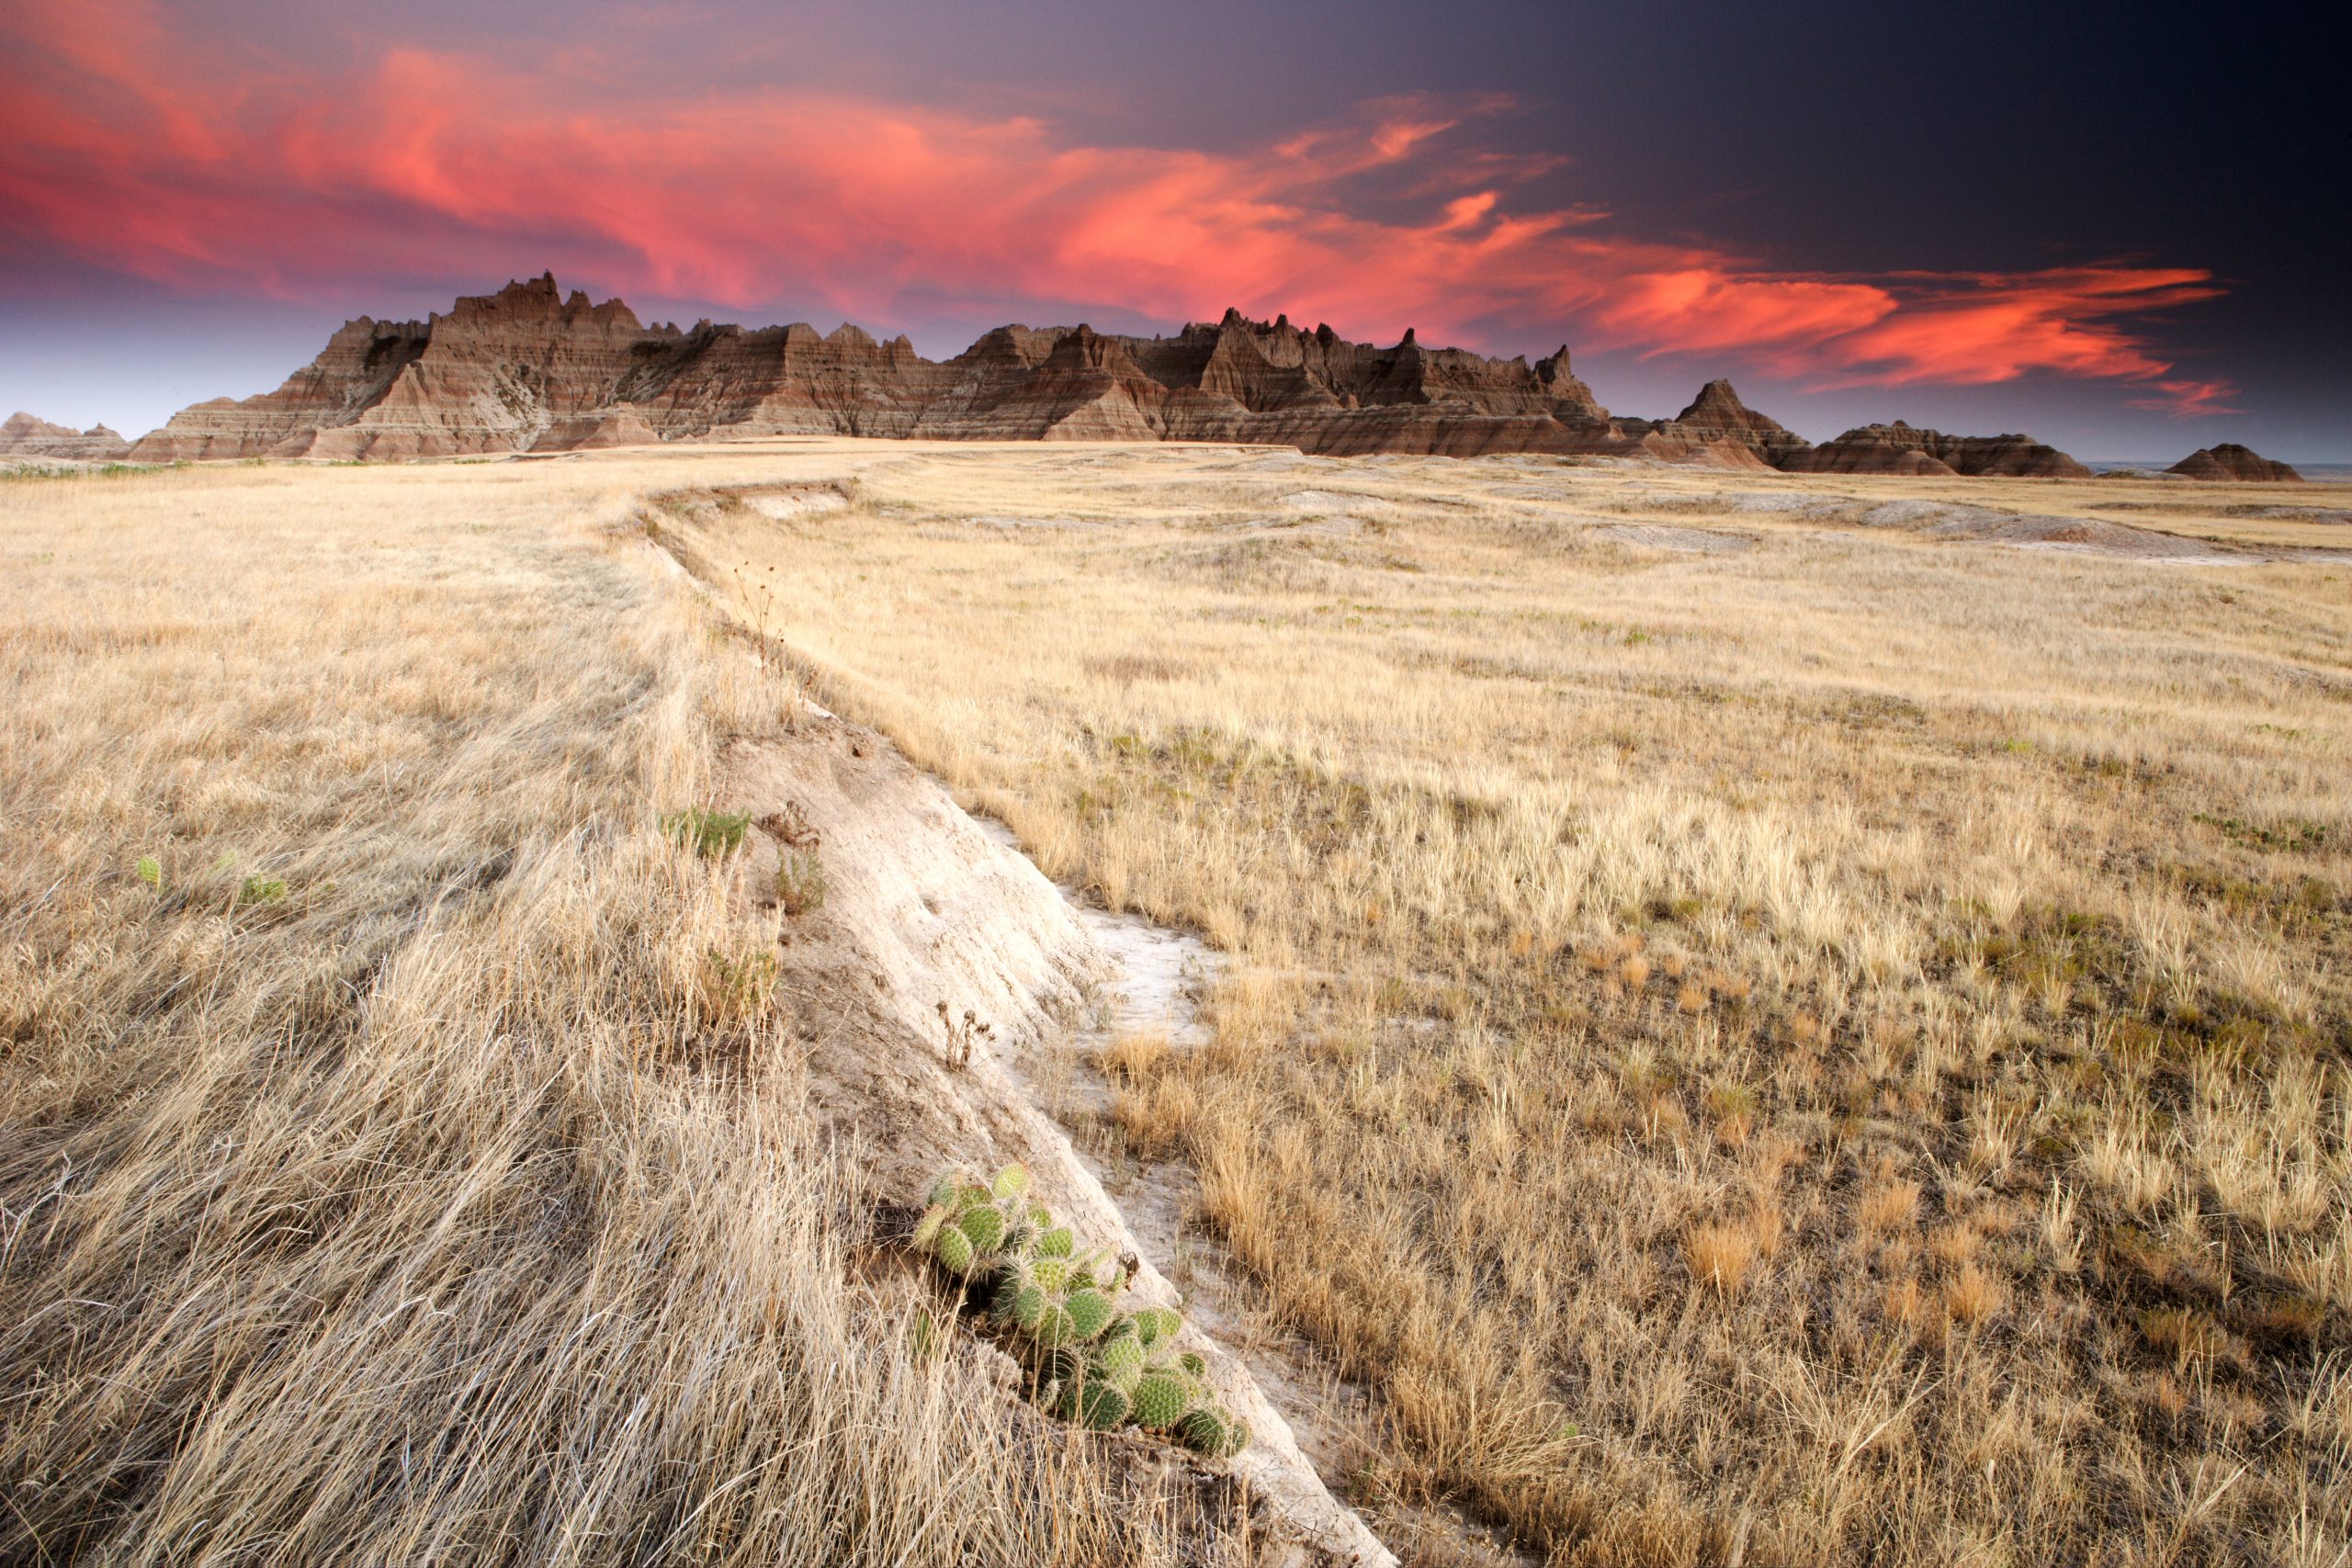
{"type": "Point", "coordinates": [2190, 400]}
{"type": "Point", "coordinates": [129, 145]}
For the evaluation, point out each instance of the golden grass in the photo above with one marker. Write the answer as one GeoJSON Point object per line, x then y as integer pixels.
{"type": "Point", "coordinates": [1970, 921]}
{"type": "Point", "coordinates": [445, 1203]}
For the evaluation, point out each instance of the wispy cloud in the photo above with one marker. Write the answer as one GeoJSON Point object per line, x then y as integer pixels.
{"type": "Point", "coordinates": [2190, 400]}
{"type": "Point", "coordinates": [126, 141]}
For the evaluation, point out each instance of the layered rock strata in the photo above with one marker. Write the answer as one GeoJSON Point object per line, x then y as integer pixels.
{"type": "Point", "coordinates": [2231, 461]}
{"type": "Point", "coordinates": [531, 369]}
{"type": "Point", "coordinates": [22, 435]}
{"type": "Point", "coordinates": [1899, 448]}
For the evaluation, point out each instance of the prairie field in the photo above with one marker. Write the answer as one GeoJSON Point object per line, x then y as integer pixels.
{"type": "Point", "coordinates": [1764, 1021]}
{"type": "Point", "coordinates": [1770, 1020]}
{"type": "Point", "coordinates": [382, 1178]}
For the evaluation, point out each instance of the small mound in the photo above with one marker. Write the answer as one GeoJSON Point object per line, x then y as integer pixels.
{"type": "Point", "coordinates": [784, 504]}
{"type": "Point", "coordinates": [1332, 500]}
{"type": "Point", "coordinates": [2333, 517]}
{"type": "Point", "coordinates": [1682, 541]}
{"type": "Point", "coordinates": [2088, 535]}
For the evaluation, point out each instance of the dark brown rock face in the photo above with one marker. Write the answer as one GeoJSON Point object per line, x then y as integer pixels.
{"type": "Point", "coordinates": [22, 435]}
{"type": "Point", "coordinates": [2231, 461]}
{"type": "Point", "coordinates": [1898, 448]}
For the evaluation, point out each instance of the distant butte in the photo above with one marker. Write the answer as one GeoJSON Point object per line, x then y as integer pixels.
{"type": "Point", "coordinates": [2231, 461]}
{"type": "Point", "coordinates": [1898, 448]}
{"type": "Point", "coordinates": [529, 368]}
{"type": "Point", "coordinates": [22, 435]}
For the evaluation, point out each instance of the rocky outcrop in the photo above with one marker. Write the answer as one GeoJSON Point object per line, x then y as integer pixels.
{"type": "Point", "coordinates": [1899, 448]}
{"type": "Point", "coordinates": [529, 368]}
{"type": "Point", "coordinates": [2231, 461]}
{"type": "Point", "coordinates": [499, 372]}
{"type": "Point", "coordinates": [22, 435]}
{"type": "Point", "coordinates": [1720, 425]}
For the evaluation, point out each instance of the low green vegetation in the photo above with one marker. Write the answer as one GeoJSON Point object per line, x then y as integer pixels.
{"type": "Point", "coordinates": [707, 832]}
{"type": "Point", "coordinates": [799, 882]}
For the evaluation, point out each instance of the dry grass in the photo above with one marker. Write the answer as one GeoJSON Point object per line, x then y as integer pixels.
{"type": "Point", "coordinates": [404, 1172]}
{"type": "Point", "coordinates": [1792, 1011]}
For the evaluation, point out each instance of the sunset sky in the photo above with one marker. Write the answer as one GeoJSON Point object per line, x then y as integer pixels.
{"type": "Point", "coordinates": [2111, 229]}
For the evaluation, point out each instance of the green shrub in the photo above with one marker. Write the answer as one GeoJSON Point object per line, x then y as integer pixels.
{"type": "Point", "coordinates": [1087, 1360]}
{"type": "Point", "coordinates": [738, 985]}
{"type": "Point", "coordinates": [799, 882]}
{"type": "Point", "coordinates": [711, 833]}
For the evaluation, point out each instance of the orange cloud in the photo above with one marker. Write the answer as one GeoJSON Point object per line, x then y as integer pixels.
{"type": "Point", "coordinates": [128, 146]}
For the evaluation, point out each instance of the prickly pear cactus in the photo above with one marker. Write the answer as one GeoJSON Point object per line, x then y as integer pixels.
{"type": "Point", "coordinates": [1088, 1361]}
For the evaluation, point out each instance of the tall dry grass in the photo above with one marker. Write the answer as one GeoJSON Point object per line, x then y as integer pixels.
{"type": "Point", "coordinates": [378, 1183]}
{"type": "Point", "coordinates": [1831, 1049]}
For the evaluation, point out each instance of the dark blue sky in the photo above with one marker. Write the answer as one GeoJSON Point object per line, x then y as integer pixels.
{"type": "Point", "coordinates": [2099, 223]}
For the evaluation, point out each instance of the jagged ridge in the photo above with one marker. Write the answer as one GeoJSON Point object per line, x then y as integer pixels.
{"type": "Point", "coordinates": [530, 369]}
{"type": "Point", "coordinates": [22, 435]}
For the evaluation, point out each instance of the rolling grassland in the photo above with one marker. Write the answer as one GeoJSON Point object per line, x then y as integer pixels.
{"type": "Point", "coordinates": [386, 1176]}
{"type": "Point", "coordinates": [1769, 1020]}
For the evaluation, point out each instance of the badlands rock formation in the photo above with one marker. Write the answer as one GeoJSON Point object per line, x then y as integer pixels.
{"type": "Point", "coordinates": [529, 369]}
{"type": "Point", "coordinates": [1898, 448]}
{"type": "Point", "coordinates": [1719, 422]}
{"type": "Point", "coordinates": [22, 435]}
{"type": "Point", "coordinates": [2231, 461]}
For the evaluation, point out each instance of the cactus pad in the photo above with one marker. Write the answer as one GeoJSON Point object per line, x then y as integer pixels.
{"type": "Point", "coordinates": [1054, 1328]}
{"type": "Point", "coordinates": [1156, 1323]}
{"type": "Point", "coordinates": [1120, 1361]}
{"type": "Point", "coordinates": [1102, 1406]}
{"type": "Point", "coordinates": [1160, 1400]}
{"type": "Point", "coordinates": [1204, 1431]}
{"type": "Point", "coordinates": [955, 1248]}
{"type": "Point", "coordinates": [1090, 1312]}
{"type": "Point", "coordinates": [1011, 1182]}
{"type": "Point", "coordinates": [984, 1226]}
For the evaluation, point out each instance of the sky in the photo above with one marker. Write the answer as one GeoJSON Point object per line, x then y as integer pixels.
{"type": "Point", "coordinates": [2111, 226]}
